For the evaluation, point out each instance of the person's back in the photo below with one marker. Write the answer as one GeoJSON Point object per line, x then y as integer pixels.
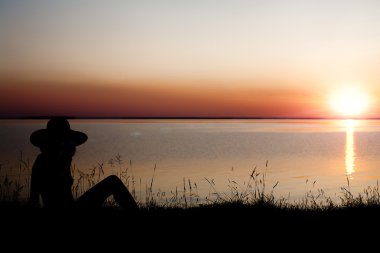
{"type": "Point", "coordinates": [52, 179]}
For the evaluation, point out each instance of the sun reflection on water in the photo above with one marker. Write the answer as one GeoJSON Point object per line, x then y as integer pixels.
{"type": "Point", "coordinates": [350, 148]}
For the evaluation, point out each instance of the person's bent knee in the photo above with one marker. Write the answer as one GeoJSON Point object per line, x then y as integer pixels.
{"type": "Point", "coordinates": [113, 178]}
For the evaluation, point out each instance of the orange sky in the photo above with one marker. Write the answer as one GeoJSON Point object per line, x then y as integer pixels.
{"type": "Point", "coordinates": [225, 58]}
{"type": "Point", "coordinates": [150, 100]}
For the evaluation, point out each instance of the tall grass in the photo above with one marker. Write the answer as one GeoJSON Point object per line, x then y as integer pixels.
{"type": "Point", "coordinates": [13, 181]}
{"type": "Point", "coordinates": [15, 184]}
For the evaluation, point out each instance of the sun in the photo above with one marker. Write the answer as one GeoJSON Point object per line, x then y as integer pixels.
{"type": "Point", "coordinates": [350, 102]}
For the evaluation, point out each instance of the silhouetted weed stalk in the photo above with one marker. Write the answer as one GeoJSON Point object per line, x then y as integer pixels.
{"type": "Point", "coordinates": [12, 180]}
{"type": "Point", "coordinates": [15, 185]}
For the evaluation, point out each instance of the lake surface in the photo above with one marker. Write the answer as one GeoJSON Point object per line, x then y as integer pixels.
{"type": "Point", "coordinates": [213, 155]}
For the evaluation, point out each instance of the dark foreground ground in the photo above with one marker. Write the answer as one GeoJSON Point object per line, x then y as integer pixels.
{"type": "Point", "coordinates": [215, 228]}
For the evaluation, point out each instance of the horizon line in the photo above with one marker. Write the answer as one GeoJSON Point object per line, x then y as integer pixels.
{"type": "Point", "coordinates": [187, 118]}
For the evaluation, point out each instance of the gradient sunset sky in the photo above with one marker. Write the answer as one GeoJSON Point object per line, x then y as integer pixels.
{"type": "Point", "coordinates": [198, 58]}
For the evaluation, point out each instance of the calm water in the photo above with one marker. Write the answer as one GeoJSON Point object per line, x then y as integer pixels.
{"type": "Point", "coordinates": [301, 155]}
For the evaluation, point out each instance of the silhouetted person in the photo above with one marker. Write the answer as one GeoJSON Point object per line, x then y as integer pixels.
{"type": "Point", "coordinates": [51, 172]}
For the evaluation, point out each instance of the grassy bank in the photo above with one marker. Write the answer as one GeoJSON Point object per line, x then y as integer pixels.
{"type": "Point", "coordinates": [252, 220]}
{"type": "Point", "coordinates": [220, 226]}
{"type": "Point", "coordinates": [254, 204]}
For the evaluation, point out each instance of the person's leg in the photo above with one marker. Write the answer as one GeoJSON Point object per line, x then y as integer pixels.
{"type": "Point", "coordinates": [111, 185]}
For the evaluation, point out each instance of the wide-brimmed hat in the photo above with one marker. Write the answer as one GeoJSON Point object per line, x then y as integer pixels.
{"type": "Point", "coordinates": [57, 130]}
